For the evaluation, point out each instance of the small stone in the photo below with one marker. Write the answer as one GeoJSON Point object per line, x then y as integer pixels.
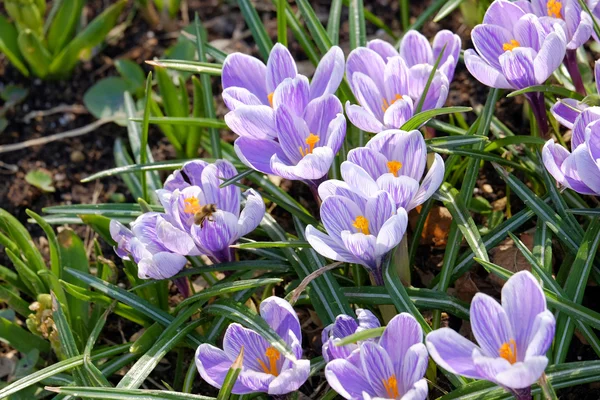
{"type": "Point", "coordinates": [487, 188]}
{"type": "Point", "coordinates": [77, 156]}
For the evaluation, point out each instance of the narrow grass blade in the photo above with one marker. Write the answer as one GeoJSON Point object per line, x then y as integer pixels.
{"type": "Point", "coordinates": [261, 37]}
{"type": "Point", "coordinates": [231, 377]}
{"type": "Point", "coordinates": [125, 394]}
{"type": "Point", "coordinates": [422, 117]}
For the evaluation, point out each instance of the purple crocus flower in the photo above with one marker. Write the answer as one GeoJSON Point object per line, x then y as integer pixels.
{"type": "Point", "coordinates": [195, 191]}
{"type": "Point", "coordinates": [393, 368]}
{"type": "Point", "coordinates": [393, 161]}
{"type": "Point", "coordinates": [343, 326]}
{"type": "Point", "coordinates": [389, 84]}
{"type": "Point", "coordinates": [155, 245]}
{"type": "Point", "coordinates": [578, 170]}
{"type": "Point", "coordinates": [513, 337]}
{"type": "Point", "coordinates": [287, 126]}
{"type": "Point", "coordinates": [576, 23]}
{"type": "Point", "coordinates": [264, 368]}
{"type": "Point", "coordinates": [360, 229]}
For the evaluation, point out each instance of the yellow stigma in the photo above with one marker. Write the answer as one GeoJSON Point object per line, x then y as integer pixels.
{"type": "Point", "coordinates": [391, 387]}
{"type": "Point", "coordinates": [510, 45]}
{"type": "Point", "coordinates": [192, 205]}
{"type": "Point", "coordinates": [394, 166]}
{"type": "Point", "coordinates": [554, 8]}
{"type": "Point", "coordinates": [387, 105]}
{"type": "Point", "coordinates": [311, 141]}
{"type": "Point", "coordinates": [361, 224]}
{"type": "Point", "coordinates": [270, 97]}
{"type": "Point", "coordinates": [508, 351]}
{"type": "Point", "coordinates": [273, 355]}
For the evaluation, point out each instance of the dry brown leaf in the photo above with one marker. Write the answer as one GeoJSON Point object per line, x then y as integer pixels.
{"type": "Point", "coordinates": [437, 226]}
{"type": "Point", "coordinates": [509, 257]}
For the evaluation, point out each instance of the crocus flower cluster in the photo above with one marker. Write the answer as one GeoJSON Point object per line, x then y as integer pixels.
{"type": "Point", "coordinates": [390, 368]}
{"type": "Point", "coordinates": [389, 84]}
{"type": "Point", "coordinates": [200, 218]}
{"type": "Point", "coordinates": [513, 337]}
{"type": "Point", "coordinates": [365, 215]}
{"type": "Point", "coordinates": [287, 126]}
{"type": "Point", "coordinates": [264, 368]}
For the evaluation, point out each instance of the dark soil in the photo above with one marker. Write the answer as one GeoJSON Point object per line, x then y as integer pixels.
{"type": "Point", "coordinates": [69, 161]}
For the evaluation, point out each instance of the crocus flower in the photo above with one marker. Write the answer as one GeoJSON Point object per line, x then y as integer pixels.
{"type": "Point", "coordinates": [195, 191]}
{"type": "Point", "coordinates": [343, 326]}
{"type": "Point", "coordinates": [578, 170]}
{"type": "Point", "coordinates": [576, 23]}
{"type": "Point", "coordinates": [393, 161]}
{"type": "Point", "coordinates": [264, 368]}
{"type": "Point", "coordinates": [155, 245]}
{"type": "Point", "coordinates": [566, 111]}
{"type": "Point", "coordinates": [389, 84]}
{"type": "Point", "coordinates": [513, 337]}
{"type": "Point", "coordinates": [360, 230]}
{"type": "Point", "coordinates": [287, 126]}
{"type": "Point", "coordinates": [393, 368]}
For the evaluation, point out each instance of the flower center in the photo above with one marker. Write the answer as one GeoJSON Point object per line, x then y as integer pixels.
{"type": "Point", "coordinates": [394, 166]}
{"type": "Point", "coordinates": [508, 351]}
{"type": "Point", "coordinates": [554, 8]}
{"type": "Point", "coordinates": [361, 224]}
{"type": "Point", "coordinates": [273, 355]}
{"type": "Point", "coordinates": [387, 105]}
{"type": "Point", "coordinates": [192, 205]}
{"type": "Point", "coordinates": [391, 387]}
{"type": "Point", "coordinates": [311, 141]}
{"type": "Point", "coordinates": [270, 97]}
{"type": "Point", "coordinates": [510, 45]}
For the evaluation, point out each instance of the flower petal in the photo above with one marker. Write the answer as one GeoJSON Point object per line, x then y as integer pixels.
{"type": "Point", "coordinates": [227, 198]}
{"type": "Point", "coordinates": [312, 166]}
{"type": "Point", "coordinates": [257, 154]}
{"type": "Point", "coordinates": [396, 78]}
{"type": "Point", "coordinates": [174, 239]}
{"type": "Point", "coordinates": [280, 65]}
{"type": "Point", "coordinates": [280, 316]}
{"type": "Point", "coordinates": [371, 161]}
{"type": "Point", "coordinates": [376, 366]}
{"type": "Point", "coordinates": [217, 233]}
{"type": "Point", "coordinates": [484, 72]}
{"type": "Point", "coordinates": [522, 375]}
{"type": "Point", "coordinates": [587, 168]}
{"type": "Point", "coordinates": [415, 49]}
{"type": "Point", "coordinates": [368, 94]}
{"type": "Point", "coordinates": [329, 73]}
{"type": "Point", "coordinates": [401, 333]}
{"type": "Point", "coordinates": [550, 56]}
{"type": "Point", "coordinates": [398, 113]}
{"type": "Point", "coordinates": [542, 335]}
{"type": "Point", "coordinates": [418, 391]}
{"type": "Point", "coordinates": [490, 324]}
{"type": "Point", "coordinates": [241, 70]}
{"type": "Point", "coordinates": [585, 118]}
{"type": "Point", "coordinates": [365, 61]}
{"type": "Point", "coordinates": [326, 246]}
{"type": "Point", "coordinates": [255, 346]}
{"type": "Point", "coordinates": [161, 265]}
{"type": "Point", "coordinates": [431, 183]}
{"type": "Point", "coordinates": [358, 179]}
{"type": "Point", "coordinates": [293, 93]}
{"type": "Point", "coordinates": [346, 379]}
{"type": "Point", "coordinates": [254, 122]}
{"type": "Point", "coordinates": [383, 48]}
{"type": "Point", "coordinates": [338, 214]}
{"type": "Point", "coordinates": [401, 188]}
{"type": "Point", "coordinates": [362, 247]}
{"type": "Point", "coordinates": [320, 112]}
{"type": "Point", "coordinates": [518, 67]}
{"type": "Point", "coordinates": [391, 233]}
{"type": "Point", "coordinates": [503, 13]}
{"type": "Point", "coordinates": [450, 43]}
{"type": "Point", "coordinates": [566, 111]}
{"type": "Point", "coordinates": [235, 97]}
{"type": "Point", "coordinates": [453, 352]}
{"type": "Point", "coordinates": [363, 119]}
{"type": "Point", "coordinates": [292, 133]}
{"type": "Point", "coordinates": [213, 365]}
{"type": "Point", "coordinates": [378, 210]}
{"type": "Point", "coordinates": [553, 156]}
{"type": "Point", "coordinates": [334, 187]}
{"type": "Point", "coordinates": [413, 367]}
{"type": "Point", "coordinates": [489, 41]}
{"type": "Point", "coordinates": [252, 214]}
{"type": "Point", "coordinates": [290, 379]}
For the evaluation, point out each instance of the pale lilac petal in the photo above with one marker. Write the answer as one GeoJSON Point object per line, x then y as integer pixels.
{"type": "Point", "coordinates": [543, 334]}
{"type": "Point", "coordinates": [235, 97]}
{"type": "Point", "coordinates": [483, 72]}
{"type": "Point", "coordinates": [413, 367]}
{"type": "Point", "coordinates": [256, 380]}
{"type": "Point", "coordinates": [583, 30]}
{"type": "Point", "coordinates": [378, 210]}
{"type": "Point", "coordinates": [371, 161]}
{"type": "Point", "coordinates": [391, 233]}
{"type": "Point", "coordinates": [362, 247]}
{"type": "Point", "coordinates": [227, 198]}
{"type": "Point", "coordinates": [247, 72]}
{"type": "Point", "coordinates": [280, 316]}
{"type": "Point", "coordinates": [320, 112]}
{"type": "Point", "coordinates": [257, 154]}
{"type": "Point", "coordinates": [587, 168]}
{"type": "Point", "coordinates": [218, 231]}
{"type": "Point", "coordinates": [415, 49]}
{"type": "Point", "coordinates": [161, 266]}
{"type": "Point", "coordinates": [503, 13]}
{"type": "Point", "coordinates": [326, 246]}
{"type": "Point", "coordinates": [365, 61]}
{"type": "Point", "coordinates": [366, 320]}
{"type": "Point", "coordinates": [431, 183]}
{"type": "Point", "coordinates": [293, 93]}
{"type": "Point", "coordinates": [363, 119]}
{"type": "Point", "coordinates": [193, 170]}
{"type": "Point", "coordinates": [213, 365]}
{"type": "Point", "coordinates": [376, 366]}
{"type": "Point", "coordinates": [237, 337]}
{"type": "Point", "coordinates": [491, 326]}
{"type": "Point", "coordinates": [368, 95]}
{"type": "Point", "coordinates": [312, 166]}
{"type": "Point", "coordinates": [396, 78]}
{"type": "Point", "coordinates": [550, 57]}
{"type": "Point", "coordinates": [522, 375]}
{"type": "Point", "coordinates": [528, 32]}
{"type": "Point", "coordinates": [402, 188]}
{"type": "Point", "coordinates": [292, 132]}
{"type": "Point", "coordinates": [553, 156]}
{"type": "Point", "coordinates": [585, 118]}
{"type": "Point", "coordinates": [489, 40]}
{"type": "Point", "coordinates": [336, 132]}
{"type": "Point", "coordinates": [592, 139]}
{"type": "Point", "coordinates": [252, 214]}
{"type": "Point", "coordinates": [566, 111]}
{"type": "Point", "coordinates": [343, 326]}
{"type": "Point", "coordinates": [358, 179]}
{"type": "Point", "coordinates": [518, 68]}
{"type": "Point", "coordinates": [398, 113]}
{"type": "Point", "coordinates": [489, 367]}
{"type": "Point", "coordinates": [255, 122]}
{"type": "Point", "coordinates": [573, 176]}
{"type": "Point", "coordinates": [338, 214]}
{"type": "Point", "coordinates": [409, 148]}
{"type": "Point", "coordinates": [401, 333]}
{"type": "Point", "coordinates": [383, 48]}
{"type": "Point", "coordinates": [174, 239]}
{"type": "Point", "coordinates": [334, 187]}
{"type": "Point", "coordinates": [522, 300]}
{"type": "Point", "coordinates": [280, 65]}
{"type": "Point", "coordinates": [597, 75]}
{"type": "Point", "coordinates": [453, 352]}
{"type": "Point", "coordinates": [436, 94]}
{"type": "Point", "coordinates": [419, 391]}
{"type": "Point", "coordinates": [329, 73]}
{"type": "Point", "coordinates": [452, 43]}
{"type": "Point", "coordinates": [121, 235]}
{"type": "Point", "coordinates": [290, 379]}
{"type": "Point", "coordinates": [346, 379]}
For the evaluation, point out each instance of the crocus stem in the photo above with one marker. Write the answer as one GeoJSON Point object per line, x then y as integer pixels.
{"type": "Point", "coordinates": [522, 394]}
{"type": "Point", "coordinates": [571, 64]}
{"type": "Point", "coordinates": [314, 189]}
{"type": "Point", "coordinates": [388, 311]}
{"type": "Point", "coordinates": [402, 261]}
{"type": "Point", "coordinates": [547, 389]}
{"type": "Point", "coordinates": [536, 100]}
{"type": "Point", "coordinates": [183, 285]}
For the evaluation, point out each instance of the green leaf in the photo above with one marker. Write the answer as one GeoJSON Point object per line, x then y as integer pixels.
{"type": "Point", "coordinates": [421, 118]}
{"type": "Point", "coordinates": [132, 73]}
{"type": "Point", "coordinates": [11, 297]}
{"type": "Point", "coordinates": [449, 142]}
{"type": "Point", "coordinates": [37, 56]}
{"type": "Point", "coordinates": [333, 23]}
{"type": "Point", "coordinates": [231, 377]}
{"type": "Point", "coordinates": [556, 90]}
{"type": "Point", "coordinates": [10, 46]}
{"type": "Point", "coordinates": [263, 245]}
{"type": "Point", "coordinates": [27, 275]}
{"type": "Point", "coordinates": [447, 9]}
{"type": "Point", "coordinates": [356, 20]}
{"type": "Point", "coordinates": [91, 36]}
{"type": "Point", "coordinates": [40, 179]}
{"type": "Point", "coordinates": [18, 234]}
{"type": "Point", "coordinates": [594, 213]}
{"type": "Point", "coordinates": [188, 66]}
{"type": "Point", "coordinates": [123, 161]}
{"type": "Point", "coordinates": [144, 152]}
{"type": "Point", "coordinates": [259, 33]}
{"type": "Point", "coordinates": [55, 256]}
{"type": "Point", "coordinates": [362, 335]}
{"type": "Point", "coordinates": [63, 24]}
{"type": "Point", "coordinates": [105, 98]}
{"type": "Point", "coordinates": [172, 102]}
{"type": "Point", "coordinates": [125, 394]}
{"type": "Point", "coordinates": [20, 339]}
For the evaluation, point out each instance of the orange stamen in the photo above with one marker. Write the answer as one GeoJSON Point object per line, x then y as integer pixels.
{"type": "Point", "coordinates": [394, 166]}
{"type": "Point", "coordinates": [273, 355]}
{"type": "Point", "coordinates": [508, 351]}
{"type": "Point", "coordinates": [311, 141]}
{"type": "Point", "coordinates": [510, 45]}
{"type": "Point", "coordinates": [361, 224]}
{"type": "Point", "coordinates": [192, 205]}
{"type": "Point", "coordinates": [387, 105]}
{"type": "Point", "coordinates": [554, 9]}
{"type": "Point", "coordinates": [391, 387]}
{"type": "Point", "coordinates": [270, 97]}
